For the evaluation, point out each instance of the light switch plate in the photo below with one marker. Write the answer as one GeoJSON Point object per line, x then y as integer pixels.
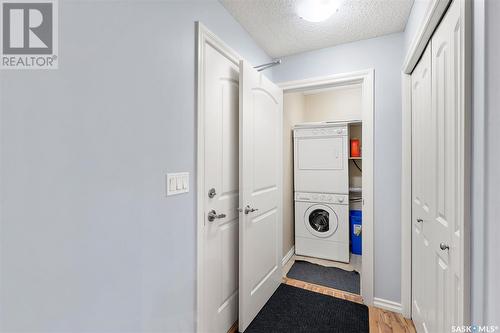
{"type": "Point", "coordinates": [177, 183]}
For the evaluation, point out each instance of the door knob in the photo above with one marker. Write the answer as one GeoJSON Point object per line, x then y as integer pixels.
{"type": "Point", "coordinates": [420, 220]}
{"type": "Point", "coordinates": [212, 215]}
{"type": "Point", "coordinates": [444, 246]}
{"type": "Point", "coordinates": [249, 209]}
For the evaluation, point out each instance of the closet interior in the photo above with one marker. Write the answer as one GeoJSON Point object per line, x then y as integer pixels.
{"type": "Point", "coordinates": [322, 187]}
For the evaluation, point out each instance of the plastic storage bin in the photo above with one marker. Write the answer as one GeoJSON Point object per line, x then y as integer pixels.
{"type": "Point", "coordinates": [355, 231]}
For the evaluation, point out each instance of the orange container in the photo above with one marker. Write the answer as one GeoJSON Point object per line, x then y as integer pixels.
{"type": "Point", "coordinates": [355, 148]}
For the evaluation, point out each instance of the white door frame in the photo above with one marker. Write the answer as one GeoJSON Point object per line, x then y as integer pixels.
{"type": "Point", "coordinates": [366, 79]}
{"type": "Point", "coordinates": [204, 37]}
{"type": "Point", "coordinates": [435, 11]}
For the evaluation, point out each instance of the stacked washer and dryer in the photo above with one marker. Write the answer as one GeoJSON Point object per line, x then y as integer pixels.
{"type": "Point", "coordinates": [321, 184]}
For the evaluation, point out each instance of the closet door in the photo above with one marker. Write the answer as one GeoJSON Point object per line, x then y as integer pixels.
{"type": "Point", "coordinates": [423, 179]}
{"type": "Point", "coordinates": [438, 175]}
{"type": "Point", "coordinates": [447, 221]}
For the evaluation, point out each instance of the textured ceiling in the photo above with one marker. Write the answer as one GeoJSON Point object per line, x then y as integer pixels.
{"type": "Point", "coordinates": [277, 28]}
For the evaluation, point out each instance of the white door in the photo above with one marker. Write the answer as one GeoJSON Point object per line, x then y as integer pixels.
{"type": "Point", "coordinates": [221, 192]}
{"type": "Point", "coordinates": [261, 110]}
{"type": "Point", "coordinates": [447, 219]}
{"type": "Point", "coordinates": [437, 179]}
{"type": "Point", "coordinates": [422, 190]}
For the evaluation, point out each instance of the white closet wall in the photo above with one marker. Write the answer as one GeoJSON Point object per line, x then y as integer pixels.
{"type": "Point", "coordinates": [293, 113]}
{"type": "Point", "coordinates": [342, 103]}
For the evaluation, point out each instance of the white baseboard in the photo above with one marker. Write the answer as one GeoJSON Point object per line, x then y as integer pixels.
{"type": "Point", "coordinates": [387, 305]}
{"type": "Point", "coordinates": [288, 256]}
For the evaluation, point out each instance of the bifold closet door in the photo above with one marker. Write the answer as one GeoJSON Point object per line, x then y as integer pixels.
{"type": "Point", "coordinates": [423, 179]}
{"type": "Point", "coordinates": [261, 111]}
{"type": "Point", "coordinates": [448, 216]}
{"type": "Point", "coordinates": [437, 179]}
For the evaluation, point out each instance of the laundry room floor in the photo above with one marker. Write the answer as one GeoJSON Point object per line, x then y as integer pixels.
{"type": "Point", "coordinates": [353, 265]}
{"type": "Point", "coordinates": [380, 320]}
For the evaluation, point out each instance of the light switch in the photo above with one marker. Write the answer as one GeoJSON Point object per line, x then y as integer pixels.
{"type": "Point", "coordinates": [177, 183]}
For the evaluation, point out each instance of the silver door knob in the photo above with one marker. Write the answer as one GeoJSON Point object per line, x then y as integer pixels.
{"type": "Point", "coordinates": [420, 220]}
{"type": "Point", "coordinates": [212, 215]}
{"type": "Point", "coordinates": [444, 246]}
{"type": "Point", "coordinates": [249, 209]}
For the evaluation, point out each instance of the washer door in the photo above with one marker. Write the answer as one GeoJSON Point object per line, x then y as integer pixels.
{"type": "Point", "coordinates": [321, 220]}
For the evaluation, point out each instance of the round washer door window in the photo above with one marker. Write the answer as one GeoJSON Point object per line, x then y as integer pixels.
{"type": "Point", "coordinates": [321, 221]}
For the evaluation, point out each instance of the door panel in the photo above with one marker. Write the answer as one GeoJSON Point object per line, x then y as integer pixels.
{"type": "Point", "coordinates": [221, 173]}
{"type": "Point", "coordinates": [437, 174]}
{"type": "Point", "coordinates": [261, 237]}
{"type": "Point", "coordinates": [440, 298]}
{"type": "Point", "coordinates": [422, 190]}
{"type": "Point", "coordinates": [264, 122]}
{"type": "Point", "coordinates": [261, 107]}
{"type": "Point", "coordinates": [447, 94]}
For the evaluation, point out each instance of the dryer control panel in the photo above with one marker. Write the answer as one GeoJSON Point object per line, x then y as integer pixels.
{"type": "Point", "coordinates": [331, 130]}
{"type": "Point", "coordinates": [339, 199]}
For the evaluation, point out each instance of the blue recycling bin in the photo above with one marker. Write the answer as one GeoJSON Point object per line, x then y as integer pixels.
{"type": "Point", "coordinates": [355, 231]}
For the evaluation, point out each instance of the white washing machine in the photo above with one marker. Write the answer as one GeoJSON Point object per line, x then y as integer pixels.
{"type": "Point", "coordinates": [321, 158]}
{"type": "Point", "coordinates": [322, 225]}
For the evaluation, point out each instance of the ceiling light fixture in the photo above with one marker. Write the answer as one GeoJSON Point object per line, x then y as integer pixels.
{"type": "Point", "coordinates": [317, 10]}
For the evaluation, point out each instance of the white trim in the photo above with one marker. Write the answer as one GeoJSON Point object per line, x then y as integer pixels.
{"type": "Point", "coordinates": [323, 82]}
{"type": "Point", "coordinates": [430, 23]}
{"type": "Point", "coordinates": [322, 90]}
{"type": "Point", "coordinates": [204, 36]}
{"type": "Point", "coordinates": [366, 79]}
{"type": "Point", "coordinates": [434, 13]}
{"type": "Point", "coordinates": [406, 151]}
{"type": "Point", "coordinates": [288, 256]}
{"type": "Point", "coordinates": [387, 305]}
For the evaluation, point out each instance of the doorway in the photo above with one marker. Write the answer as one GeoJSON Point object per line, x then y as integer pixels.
{"type": "Point", "coordinates": [337, 101]}
{"type": "Point", "coordinates": [322, 186]}
{"type": "Point", "coordinates": [239, 187]}
{"type": "Point", "coordinates": [220, 285]}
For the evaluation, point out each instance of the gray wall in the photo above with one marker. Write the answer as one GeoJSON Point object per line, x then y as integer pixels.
{"type": "Point", "coordinates": [385, 55]}
{"type": "Point", "coordinates": [492, 176]}
{"type": "Point", "coordinates": [89, 241]}
{"type": "Point", "coordinates": [418, 11]}
{"type": "Point", "coordinates": [478, 166]}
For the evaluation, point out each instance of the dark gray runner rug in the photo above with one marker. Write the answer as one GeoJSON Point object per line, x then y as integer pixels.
{"type": "Point", "coordinates": [332, 277]}
{"type": "Point", "coordinates": [295, 310]}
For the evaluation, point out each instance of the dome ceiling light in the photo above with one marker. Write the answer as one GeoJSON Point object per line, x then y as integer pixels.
{"type": "Point", "coordinates": [317, 10]}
